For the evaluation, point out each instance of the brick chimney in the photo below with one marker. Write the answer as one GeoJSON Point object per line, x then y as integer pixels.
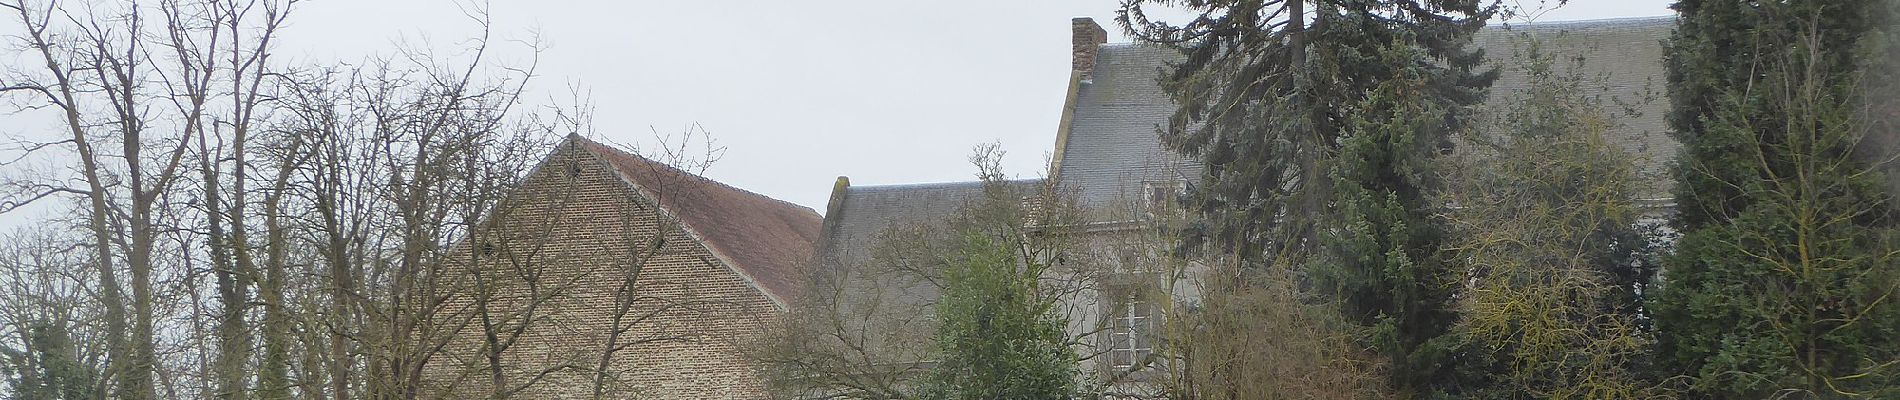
{"type": "Point", "coordinates": [1088, 39]}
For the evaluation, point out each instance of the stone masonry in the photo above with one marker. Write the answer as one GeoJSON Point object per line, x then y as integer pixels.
{"type": "Point", "coordinates": [713, 266]}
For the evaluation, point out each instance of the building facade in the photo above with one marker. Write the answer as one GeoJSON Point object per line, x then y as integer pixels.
{"type": "Point", "coordinates": [1109, 162]}
{"type": "Point", "coordinates": [605, 272]}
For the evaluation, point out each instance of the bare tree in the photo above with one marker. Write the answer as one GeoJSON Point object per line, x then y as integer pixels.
{"type": "Point", "coordinates": [48, 350]}
{"type": "Point", "coordinates": [393, 162]}
{"type": "Point", "coordinates": [97, 67]}
{"type": "Point", "coordinates": [1186, 321]}
{"type": "Point", "coordinates": [260, 228]}
{"type": "Point", "coordinates": [868, 327]}
{"type": "Point", "coordinates": [1546, 207]}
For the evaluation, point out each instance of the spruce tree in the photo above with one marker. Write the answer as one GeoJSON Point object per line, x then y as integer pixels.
{"type": "Point", "coordinates": [1316, 135]}
{"type": "Point", "coordinates": [1263, 100]}
{"type": "Point", "coordinates": [1784, 282]}
{"type": "Point", "coordinates": [1383, 263]}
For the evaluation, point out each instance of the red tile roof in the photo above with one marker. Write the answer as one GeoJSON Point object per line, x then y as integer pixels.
{"type": "Point", "coordinates": [762, 238]}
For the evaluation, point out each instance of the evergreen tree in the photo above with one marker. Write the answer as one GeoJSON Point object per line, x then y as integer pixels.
{"type": "Point", "coordinates": [1784, 282]}
{"type": "Point", "coordinates": [999, 334]}
{"type": "Point", "coordinates": [1317, 141]}
{"type": "Point", "coordinates": [1264, 99]}
{"type": "Point", "coordinates": [998, 338]}
{"type": "Point", "coordinates": [1383, 263]}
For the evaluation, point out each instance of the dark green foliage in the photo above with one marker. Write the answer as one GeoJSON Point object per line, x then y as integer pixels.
{"type": "Point", "coordinates": [1264, 102]}
{"type": "Point", "coordinates": [1784, 283]}
{"type": "Point", "coordinates": [1384, 267]}
{"type": "Point", "coordinates": [999, 337]}
{"type": "Point", "coordinates": [49, 368]}
{"type": "Point", "coordinates": [1317, 143]}
{"type": "Point", "coordinates": [1719, 48]}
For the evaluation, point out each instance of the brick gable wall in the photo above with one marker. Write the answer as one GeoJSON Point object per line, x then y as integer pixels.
{"type": "Point", "coordinates": [566, 240]}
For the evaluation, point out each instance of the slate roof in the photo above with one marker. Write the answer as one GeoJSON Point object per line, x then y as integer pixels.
{"type": "Point", "coordinates": [1112, 146]}
{"type": "Point", "coordinates": [865, 212]}
{"type": "Point", "coordinates": [764, 239]}
{"type": "Point", "coordinates": [860, 218]}
{"type": "Point", "coordinates": [1627, 54]}
{"type": "Point", "coordinates": [860, 215]}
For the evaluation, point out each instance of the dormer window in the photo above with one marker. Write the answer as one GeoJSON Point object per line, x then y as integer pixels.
{"type": "Point", "coordinates": [1162, 195]}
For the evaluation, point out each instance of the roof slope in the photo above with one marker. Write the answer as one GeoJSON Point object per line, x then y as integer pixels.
{"type": "Point", "coordinates": [1626, 54]}
{"type": "Point", "coordinates": [762, 238]}
{"type": "Point", "coordinates": [864, 218]}
{"type": "Point", "coordinates": [1112, 145]}
{"type": "Point", "coordinates": [867, 212]}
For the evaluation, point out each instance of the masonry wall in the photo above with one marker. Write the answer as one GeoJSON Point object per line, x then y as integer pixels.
{"type": "Point", "coordinates": [549, 282]}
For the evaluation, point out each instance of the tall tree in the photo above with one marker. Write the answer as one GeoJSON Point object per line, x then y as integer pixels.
{"type": "Point", "coordinates": [1265, 99]}
{"type": "Point", "coordinates": [97, 67]}
{"type": "Point", "coordinates": [1783, 283]}
{"type": "Point", "coordinates": [208, 173]}
{"type": "Point", "coordinates": [1299, 115]}
{"type": "Point", "coordinates": [1547, 221]}
{"type": "Point", "coordinates": [999, 330]}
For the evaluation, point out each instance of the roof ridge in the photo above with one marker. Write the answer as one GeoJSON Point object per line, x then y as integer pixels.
{"type": "Point", "coordinates": [1587, 22]}
{"type": "Point", "coordinates": [946, 184]}
{"type": "Point", "coordinates": [1133, 44]}
{"type": "Point", "coordinates": [672, 168]}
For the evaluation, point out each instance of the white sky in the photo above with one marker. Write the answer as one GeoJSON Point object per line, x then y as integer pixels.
{"type": "Point", "coordinates": [798, 92]}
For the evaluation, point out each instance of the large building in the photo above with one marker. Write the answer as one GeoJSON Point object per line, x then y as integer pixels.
{"type": "Point", "coordinates": [1109, 160]}
{"type": "Point", "coordinates": [608, 272]}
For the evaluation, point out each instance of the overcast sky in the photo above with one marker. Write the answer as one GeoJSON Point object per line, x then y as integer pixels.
{"type": "Point", "coordinates": [799, 92]}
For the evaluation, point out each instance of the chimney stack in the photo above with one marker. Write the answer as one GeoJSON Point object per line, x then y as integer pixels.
{"type": "Point", "coordinates": [1088, 39]}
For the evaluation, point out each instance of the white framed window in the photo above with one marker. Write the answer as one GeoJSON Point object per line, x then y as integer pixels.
{"type": "Point", "coordinates": [1131, 333]}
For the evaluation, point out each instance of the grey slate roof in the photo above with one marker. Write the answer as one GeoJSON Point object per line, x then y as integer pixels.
{"type": "Point", "coordinates": [1626, 54]}
{"type": "Point", "coordinates": [1112, 146]}
{"type": "Point", "coordinates": [862, 218]}
{"type": "Point", "coordinates": [866, 212]}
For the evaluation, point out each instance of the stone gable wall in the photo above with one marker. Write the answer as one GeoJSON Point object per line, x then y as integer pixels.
{"type": "Point", "coordinates": [576, 231]}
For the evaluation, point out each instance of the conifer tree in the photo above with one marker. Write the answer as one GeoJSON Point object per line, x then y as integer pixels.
{"type": "Point", "coordinates": [998, 338]}
{"type": "Point", "coordinates": [1265, 99]}
{"type": "Point", "coordinates": [1316, 127]}
{"type": "Point", "coordinates": [1784, 283]}
{"type": "Point", "coordinates": [999, 334]}
{"type": "Point", "coordinates": [1383, 264]}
